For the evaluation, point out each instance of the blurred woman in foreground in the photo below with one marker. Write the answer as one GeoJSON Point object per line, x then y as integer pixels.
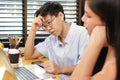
{"type": "Point", "coordinates": [102, 20]}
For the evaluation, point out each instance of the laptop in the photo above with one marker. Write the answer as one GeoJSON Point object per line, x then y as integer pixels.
{"type": "Point", "coordinates": [28, 72]}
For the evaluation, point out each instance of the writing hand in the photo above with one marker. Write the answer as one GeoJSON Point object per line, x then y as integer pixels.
{"type": "Point", "coordinates": [51, 67]}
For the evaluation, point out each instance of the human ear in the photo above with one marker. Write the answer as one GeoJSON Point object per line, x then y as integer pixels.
{"type": "Point", "coordinates": [61, 15]}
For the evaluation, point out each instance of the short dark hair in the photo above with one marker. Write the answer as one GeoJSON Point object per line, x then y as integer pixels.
{"type": "Point", "coordinates": [50, 8]}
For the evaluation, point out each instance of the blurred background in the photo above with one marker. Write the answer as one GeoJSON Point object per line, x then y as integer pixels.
{"type": "Point", "coordinates": [16, 17]}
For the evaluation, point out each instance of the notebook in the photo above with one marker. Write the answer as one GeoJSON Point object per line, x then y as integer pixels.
{"type": "Point", "coordinates": [28, 72]}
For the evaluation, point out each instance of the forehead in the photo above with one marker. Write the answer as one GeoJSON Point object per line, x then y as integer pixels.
{"type": "Point", "coordinates": [89, 11]}
{"type": "Point", "coordinates": [47, 17]}
{"type": "Point", "coordinates": [87, 8]}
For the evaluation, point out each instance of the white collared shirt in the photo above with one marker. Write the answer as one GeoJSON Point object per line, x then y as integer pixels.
{"type": "Point", "coordinates": [70, 52]}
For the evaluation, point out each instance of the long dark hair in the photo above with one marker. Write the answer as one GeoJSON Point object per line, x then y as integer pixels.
{"type": "Point", "coordinates": [108, 11]}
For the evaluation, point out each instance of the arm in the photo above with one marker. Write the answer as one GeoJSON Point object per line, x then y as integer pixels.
{"type": "Point", "coordinates": [67, 69]}
{"type": "Point", "coordinates": [104, 74]}
{"type": "Point", "coordinates": [110, 65]}
{"type": "Point", "coordinates": [30, 51]}
{"type": "Point", "coordinates": [89, 58]}
{"type": "Point", "coordinates": [51, 67]}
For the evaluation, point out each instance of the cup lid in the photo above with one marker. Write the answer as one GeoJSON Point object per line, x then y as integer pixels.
{"type": "Point", "coordinates": [13, 51]}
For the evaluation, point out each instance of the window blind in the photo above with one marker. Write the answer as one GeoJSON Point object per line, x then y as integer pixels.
{"type": "Point", "coordinates": [10, 18]}
{"type": "Point", "coordinates": [70, 10]}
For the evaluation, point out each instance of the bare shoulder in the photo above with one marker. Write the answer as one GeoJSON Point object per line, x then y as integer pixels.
{"type": "Point", "coordinates": [108, 72]}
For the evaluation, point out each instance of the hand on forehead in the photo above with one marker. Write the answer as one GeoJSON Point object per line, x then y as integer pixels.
{"type": "Point", "coordinates": [41, 18]}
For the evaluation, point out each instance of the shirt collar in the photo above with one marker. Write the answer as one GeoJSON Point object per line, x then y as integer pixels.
{"type": "Point", "coordinates": [68, 37]}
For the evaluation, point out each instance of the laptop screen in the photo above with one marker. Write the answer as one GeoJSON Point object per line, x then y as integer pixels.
{"type": "Point", "coordinates": [6, 63]}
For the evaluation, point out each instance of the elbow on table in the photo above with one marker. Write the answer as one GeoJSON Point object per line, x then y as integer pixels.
{"type": "Point", "coordinates": [27, 56]}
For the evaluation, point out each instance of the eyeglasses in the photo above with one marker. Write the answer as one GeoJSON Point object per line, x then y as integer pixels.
{"type": "Point", "coordinates": [48, 23]}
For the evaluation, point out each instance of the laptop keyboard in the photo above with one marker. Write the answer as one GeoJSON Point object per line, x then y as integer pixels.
{"type": "Point", "coordinates": [24, 74]}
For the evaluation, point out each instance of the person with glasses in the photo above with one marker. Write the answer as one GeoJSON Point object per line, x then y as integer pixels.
{"type": "Point", "coordinates": [64, 46]}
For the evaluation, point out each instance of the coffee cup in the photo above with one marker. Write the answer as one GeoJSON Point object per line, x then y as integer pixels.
{"type": "Point", "coordinates": [13, 55]}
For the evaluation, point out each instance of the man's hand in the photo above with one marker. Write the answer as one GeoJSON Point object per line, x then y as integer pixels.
{"type": "Point", "coordinates": [37, 23]}
{"type": "Point", "coordinates": [51, 67]}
